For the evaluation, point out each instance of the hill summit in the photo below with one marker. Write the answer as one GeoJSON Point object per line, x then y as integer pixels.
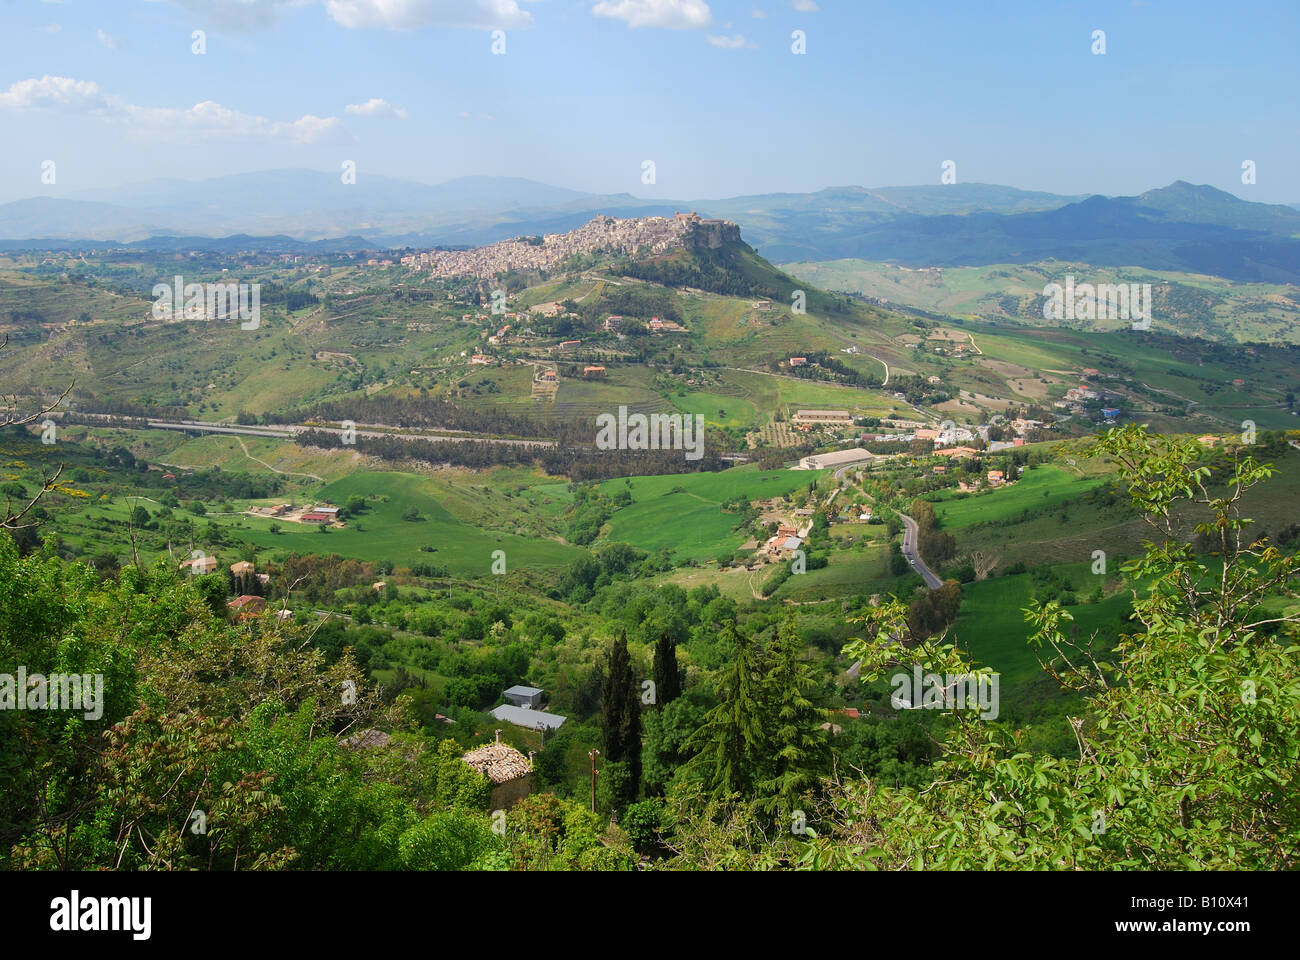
{"type": "Point", "coordinates": [602, 235]}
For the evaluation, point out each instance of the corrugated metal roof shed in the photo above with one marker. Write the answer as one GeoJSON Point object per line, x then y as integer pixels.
{"type": "Point", "coordinates": [532, 719]}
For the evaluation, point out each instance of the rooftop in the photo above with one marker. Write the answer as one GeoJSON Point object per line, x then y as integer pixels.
{"type": "Point", "coordinates": [522, 691]}
{"type": "Point", "coordinates": [499, 762]}
{"type": "Point", "coordinates": [532, 719]}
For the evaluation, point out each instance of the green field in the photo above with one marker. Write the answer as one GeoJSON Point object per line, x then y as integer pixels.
{"type": "Point", "coordinates": [684, 512]}
{"type": "Point", "coordinates": [991, 627]}
{"type": "Point", "coordinates": [1043, 487]}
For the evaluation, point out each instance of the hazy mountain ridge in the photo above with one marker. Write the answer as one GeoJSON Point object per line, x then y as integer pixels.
{"type": "Point", "coordinates": [1178, 227]}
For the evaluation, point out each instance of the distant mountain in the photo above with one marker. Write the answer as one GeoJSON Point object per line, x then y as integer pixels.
{"type": "Point", "coordinates": [286, 193]}
{"type": "Point", "coordinates": [1180, 227]}
{"type": "Point", "coordinates": [808, 226]}
{"type": "Point", "coordinates": [80, 219]}
{"type": "Point", "coordinates": [311, 204]}
{"type": "Point", "coordinates": [307, 204]}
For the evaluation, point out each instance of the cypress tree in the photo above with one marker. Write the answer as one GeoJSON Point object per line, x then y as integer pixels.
{"type": "Point", "coordinates": [667, 674]}
{"type": "Point", "coordinates": [621, 716]}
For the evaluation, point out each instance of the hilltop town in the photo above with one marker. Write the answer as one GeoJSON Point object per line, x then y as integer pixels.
{"type": "Point", "coordinates": [603, 234]}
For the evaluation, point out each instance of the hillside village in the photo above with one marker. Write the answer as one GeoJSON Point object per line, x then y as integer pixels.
{"type": "Point", "coordinates": [602, 235]}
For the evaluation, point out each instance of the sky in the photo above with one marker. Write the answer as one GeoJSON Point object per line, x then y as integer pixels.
{"type": "Point", "coordinates": [583, 92]}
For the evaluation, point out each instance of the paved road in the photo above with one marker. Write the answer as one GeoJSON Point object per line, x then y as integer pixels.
{"type": "Point", "coordinates": [913, 555]}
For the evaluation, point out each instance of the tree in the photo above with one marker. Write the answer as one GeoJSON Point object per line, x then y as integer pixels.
{"type": "Point", "coordinates": [621, 719]}
{"type": "Point", "coordinates": [667, 673]}
{"type": "Point", "coordinates": [731, 744]}
{"type": "Point", "coordinates": [799, 748]}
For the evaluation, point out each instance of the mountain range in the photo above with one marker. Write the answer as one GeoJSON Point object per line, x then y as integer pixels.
{"type": "Point", "coordinates": [1182, 226]}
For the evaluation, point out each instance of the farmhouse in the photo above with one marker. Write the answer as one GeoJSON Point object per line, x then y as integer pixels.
{"type": "Point", "coordinates": [550, 376]}
{"type": "Point", "coordinates": [838, 417]}
{"type": "Point", "coordinates": [594, 371]}
{"type": "Point", "coordinates": [780, 545]}
{"type": "Point", "coordinates": [840, 458]}
{"type": "Point", "coordinates": [247, 604]}
{"type": "Point", "coordinates": [242, 568]}
{"type": "Point", "coordinates": [316, 516]}
{"type": "Point", "coordinates": [509, 770]}
{"type": "Point", "coordinates": [995, 478]}
{"type": "Point", "coordinates": [200, 564]}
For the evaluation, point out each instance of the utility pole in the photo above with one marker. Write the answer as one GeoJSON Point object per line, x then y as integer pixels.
{"type": "Point", "coordinates": [593, 754]}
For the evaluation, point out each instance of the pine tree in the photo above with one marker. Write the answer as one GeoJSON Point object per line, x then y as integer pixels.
{"type": "Point", "coordinates": [667, 674]}
{"type": "Point", "coordinates": [799, 746]}
{"type": "Point", "coordinates": [732, 742]}
{"type": "Point", "coordinates": [621, 716]}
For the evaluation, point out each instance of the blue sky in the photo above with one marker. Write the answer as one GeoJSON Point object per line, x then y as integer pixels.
{"type": "Point", "coordinates": [710, 91]}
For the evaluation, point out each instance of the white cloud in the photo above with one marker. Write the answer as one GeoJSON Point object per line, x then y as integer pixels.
{"type": "Point", "coordinates": [52, 93]}
{"type": "Point", "coordinates": [669, 14]}
{"type": "Point", "coordinates": [107, 39]}
{"type": "Point", "coordinates": [50, 28]}
{"type": "Point", "coordinates": [203, 120]}
{"type": "Point", "coordinates": [376, 107]}
{"type": "Point", "coordinates": [728, 43]}
{"type": "Point", "coordinates": [805, 6]}
{"type": "Point", "coordinates": [758, 14]}
{"type": "Point", "coordinates": [414, 14]}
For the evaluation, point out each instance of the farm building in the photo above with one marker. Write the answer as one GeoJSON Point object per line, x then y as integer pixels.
{"type": "Point", "coordinates": [509, 770]}
{"type": "Point", "coordinates": [242, 568]}
{"type": "Point", "coordinates": [798, 361]}
{"type": "Point", "coordinates": [315, 516]}
{"type": "Point", "coordinates": [200, 564]}
{"type": "Point", "coordinates": [594, 371]}
{"type": "Point", "coordinates": [522, 696]}
{"type": "Point", "coordinates": [247, 604]}
{"type": "Point", "coordinates": [836, 417]}
{"type": "Point", "coordinates": [531, 719]}
{"type": "Point", "coordinates": [840, 458]}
